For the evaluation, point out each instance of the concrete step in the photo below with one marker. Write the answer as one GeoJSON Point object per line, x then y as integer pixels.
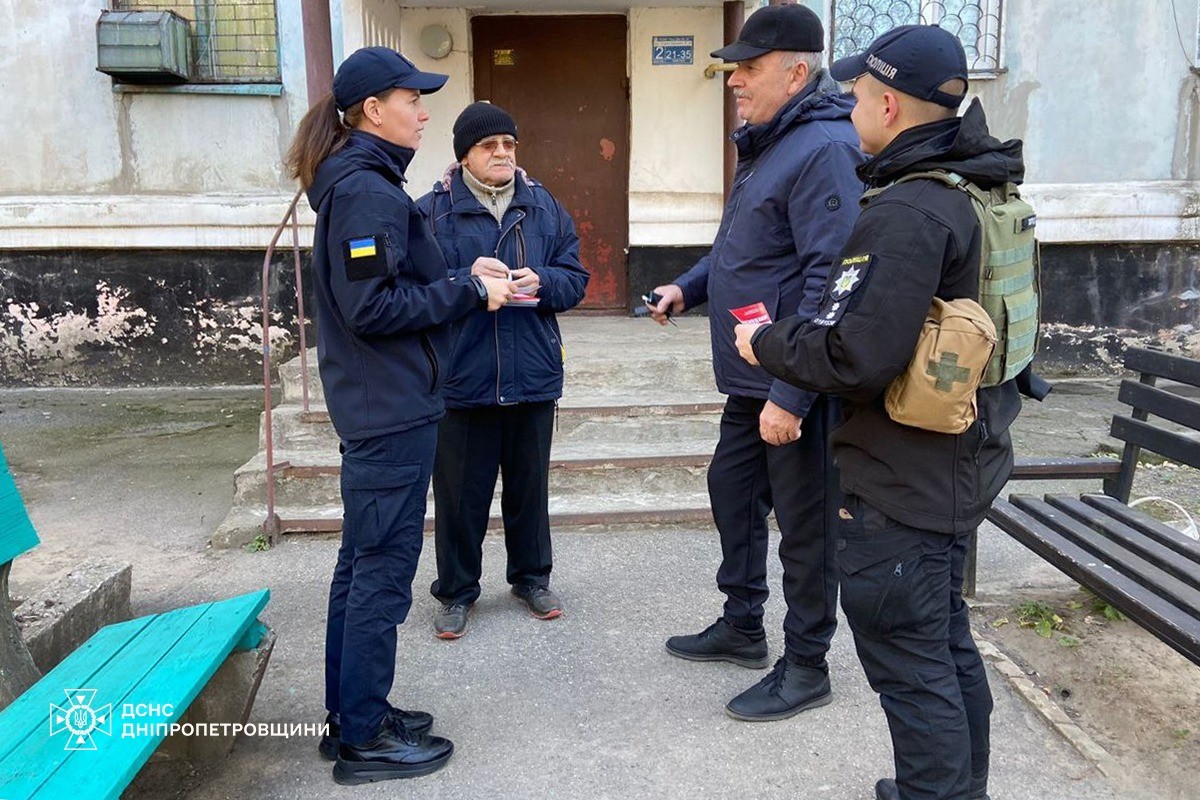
{"type": "Point", "coordinates": [605, 356]}
{"type": "Point", "coordinates": [574, 513]}
{"type": "Point", "coordinates": [315, 480]}
{"type": "Point", "coordinates": [638, 428]}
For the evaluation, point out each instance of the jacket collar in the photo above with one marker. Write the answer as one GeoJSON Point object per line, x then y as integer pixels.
{"type": "Point", "coordinates": [463, 201]}
{"type": "Point", "coordinates": [753, 139]}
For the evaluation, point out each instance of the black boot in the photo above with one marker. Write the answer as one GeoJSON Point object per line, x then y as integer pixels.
{"type": "Point", "coordinates": [413, 722]}
{"type": "Point", "coordinates": [722, 642]}
{"type": "Point", "coordinates": [886, 789]}
{"type": "Point", "coordinates": [788, 690]}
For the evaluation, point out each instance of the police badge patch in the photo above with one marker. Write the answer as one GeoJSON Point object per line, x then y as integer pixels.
{"type": "Point", "coordinates": [365, 257]}
{"type": "Point", "coordinates": [844, 281]}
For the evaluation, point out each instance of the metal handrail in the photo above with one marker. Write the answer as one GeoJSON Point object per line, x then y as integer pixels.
{"type": "Point", "coordinates": [272, 525]}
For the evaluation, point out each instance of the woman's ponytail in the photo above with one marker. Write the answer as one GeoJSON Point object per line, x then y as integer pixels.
{"type": "Point", "coordinates": [321, 133]}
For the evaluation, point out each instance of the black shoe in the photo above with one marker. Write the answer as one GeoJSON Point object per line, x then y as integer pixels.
{"type": "Point", "coordinates": [542, 602]}
{"type": "Point", "coordinates": [413, 721]}
{"type": "Point", "coordinates": [450, 621]}
{"type": "Point", "coordinates": [722, 642]}
{"type": "Point", "coordinates": [393, 753]}
{"type": "Point", "coordinates": [886, 790]}
{"type": "Point", "coordinates": [788, 690]}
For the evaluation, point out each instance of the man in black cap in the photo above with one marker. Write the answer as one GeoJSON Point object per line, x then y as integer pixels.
{"type": "Point", "coordinates": [791, 208]}
{"type": "Point", "coordinates": [913, 496]}
{"type": "Point", "coordinates": [493, 220]}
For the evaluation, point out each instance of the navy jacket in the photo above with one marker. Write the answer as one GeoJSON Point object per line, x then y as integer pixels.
{"type": "Point", "coordinates": [793, 203]}
{"type": "Point", "coordinates": [383, 294]}
{"type": "Point", "coordinates": [516, 354]}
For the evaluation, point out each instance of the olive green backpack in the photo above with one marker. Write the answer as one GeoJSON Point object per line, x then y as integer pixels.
{"type": "Point", "coordinates": [1008, 270]}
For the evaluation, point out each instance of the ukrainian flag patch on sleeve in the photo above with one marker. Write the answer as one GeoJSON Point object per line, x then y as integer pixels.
{"type": "Point", "coordinates": [365, 257]}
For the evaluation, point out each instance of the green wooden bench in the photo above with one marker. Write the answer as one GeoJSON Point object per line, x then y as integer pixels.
{"type": "Point", "coordinates": [67, 735]}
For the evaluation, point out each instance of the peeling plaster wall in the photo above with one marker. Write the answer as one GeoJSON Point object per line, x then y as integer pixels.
{"type": "Point", "coordinates": [65, 131]}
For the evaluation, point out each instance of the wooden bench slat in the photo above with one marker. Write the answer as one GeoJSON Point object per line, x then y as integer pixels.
{"type": "Point", "coordinates": [177, 678]}
{"type": "Point", "coordinates": [1112, 554]}
{"type": "Point", "coordinates": [1166, 443]}
{"type": "Point", "coordinates": [27, 714]}
{"type": "Point", "coordinates": [1154, 613]}
{"type": "Point", "coordinates": [1161, 403]}
{"type": "Point", "coordinates": [1148, 526]}
{"type": "Point", "coordinates": [34, 760]}
{"type": "Point", "coordinates": [1163, 365]}
{"type": "Point", "coordinates": [1130, 538]}
{"type": "Point", "coordinates": [1064, 468]}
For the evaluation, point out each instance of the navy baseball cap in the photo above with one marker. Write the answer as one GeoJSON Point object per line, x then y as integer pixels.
{"type": "Point", "coordinates": [792, 27]}
{"type": "Point", "coordinates": [371, 70]}
{"type": "Point", "coordinates": [914, 59]}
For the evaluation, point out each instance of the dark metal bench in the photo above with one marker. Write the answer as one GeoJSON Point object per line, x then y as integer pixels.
{"type": "Point", "coordinates": [1148, 570]}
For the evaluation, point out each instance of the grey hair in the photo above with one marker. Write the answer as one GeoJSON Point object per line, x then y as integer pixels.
{"type": "Point", "coordinates": [791, 58]}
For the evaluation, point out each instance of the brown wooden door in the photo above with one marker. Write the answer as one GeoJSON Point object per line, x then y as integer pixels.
{"type": "Point", "coordinates": [563, 80]}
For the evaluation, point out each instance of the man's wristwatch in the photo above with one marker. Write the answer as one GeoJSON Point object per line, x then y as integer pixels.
{"type": "Point", "coordinates": [482, 291]}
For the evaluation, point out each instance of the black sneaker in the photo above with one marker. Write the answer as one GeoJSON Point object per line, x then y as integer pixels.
{"type": "Point", "coordinates": [886, 789]}
{"type": "Point", "coordinates": [788, 690]}
{"type": "Point", "coordinates": [543, 603]}
{"type": "Point", "coordinates": [394, 752]}
{"type": "Point", "coordinates": [414, 721]}
{"type": "Point", "coordinates": [722, 642]}
{"type": "Point", "coordinates": [450, 621]}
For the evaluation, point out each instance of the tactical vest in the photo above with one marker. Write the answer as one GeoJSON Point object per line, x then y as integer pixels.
{"type": "Point", "coordinates": [1008, 269]}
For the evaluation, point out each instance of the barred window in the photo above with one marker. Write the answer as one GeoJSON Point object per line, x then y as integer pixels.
{"type": "Point", "coordinates": [976, 23]}
{"type": "Point", "coordinates": [231, 41]}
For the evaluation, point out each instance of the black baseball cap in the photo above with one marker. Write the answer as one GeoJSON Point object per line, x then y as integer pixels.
{"type": "Point", "coordinates": [914, 59]}
{"type": "Point", "coordinates": [371, 70]}
{"type": "Point", "coordinates": [792, 27]}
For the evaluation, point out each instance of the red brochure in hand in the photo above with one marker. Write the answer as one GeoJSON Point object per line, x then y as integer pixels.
{"type": "Point", "coordinates": [755, 314]}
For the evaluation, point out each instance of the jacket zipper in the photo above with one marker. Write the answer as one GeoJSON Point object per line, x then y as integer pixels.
{"type": "Point", "coordinates": [431, 357]}
{"type": "Point", "coordinates": [736, 204]}
{"type": "Point", "coordinates": [496, 316]}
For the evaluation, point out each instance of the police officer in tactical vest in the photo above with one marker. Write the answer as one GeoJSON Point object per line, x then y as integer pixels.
{"type": "Point", "coordinates": [913, 496]}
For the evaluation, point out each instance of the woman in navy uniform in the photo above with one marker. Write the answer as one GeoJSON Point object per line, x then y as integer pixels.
{"type": "Point", "coordinates": [384, 301]}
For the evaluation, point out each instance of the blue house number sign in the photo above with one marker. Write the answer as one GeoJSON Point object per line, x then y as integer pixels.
{"type": "Point", "coordinates": [669, 50]}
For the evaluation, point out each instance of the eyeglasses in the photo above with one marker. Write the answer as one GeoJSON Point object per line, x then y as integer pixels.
{"type": "Point", "coordinates": [493, 144]}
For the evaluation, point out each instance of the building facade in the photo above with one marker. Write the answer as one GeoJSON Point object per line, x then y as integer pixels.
{"type": "Point", "coordinates": [134, 215]}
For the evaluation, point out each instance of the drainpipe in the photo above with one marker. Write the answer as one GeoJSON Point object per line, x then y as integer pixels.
{"type": "Point", "coordinates": [318, 49]}
{"type": "Point", "coordinates": [734, 14]}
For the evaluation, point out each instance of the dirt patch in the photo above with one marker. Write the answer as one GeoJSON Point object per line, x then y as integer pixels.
{"type": "Point", "coordinates": [1132, 694]}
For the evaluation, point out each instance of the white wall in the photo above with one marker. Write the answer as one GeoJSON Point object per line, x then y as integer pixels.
{"type": "Point", "coordinates": [676, 167]}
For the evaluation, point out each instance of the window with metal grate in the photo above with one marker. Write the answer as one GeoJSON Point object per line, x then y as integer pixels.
{"type": "Point", "coordinates": [976, 23]}
{"type": "Point", "coordinates": [230, 41]}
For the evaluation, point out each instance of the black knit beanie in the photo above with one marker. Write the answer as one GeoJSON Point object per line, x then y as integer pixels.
{"type": "Point", "coordinates": [479, 121]}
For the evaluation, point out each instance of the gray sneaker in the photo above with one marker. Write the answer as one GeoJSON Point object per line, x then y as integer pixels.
{"type": "Point", "coordinates": [450, 621]}
{"type": "Point", "coordinates": [542, 602]}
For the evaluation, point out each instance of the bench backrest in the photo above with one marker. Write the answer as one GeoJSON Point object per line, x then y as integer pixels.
{"type": "Point", "coordinates": [17, 535]}
{"type": "Point", "coordinates": [1147, 399]}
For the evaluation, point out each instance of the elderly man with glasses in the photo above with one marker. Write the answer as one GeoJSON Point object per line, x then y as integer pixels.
{"type": "Point", "coordinates": [506, 374]}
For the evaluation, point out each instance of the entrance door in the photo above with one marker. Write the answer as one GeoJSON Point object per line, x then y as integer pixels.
{"type": "Point", "coordinates": [563, 80]}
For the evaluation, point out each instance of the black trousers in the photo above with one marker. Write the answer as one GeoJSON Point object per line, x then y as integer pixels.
{"type": "Point", "coordinates": [384, 482]}
{"type": "Point", "coordinates": [902, 594]}
{"type": "Point", "coordinates": [746, 479]}
{"type": "Point", "coordinates": [473, 444]}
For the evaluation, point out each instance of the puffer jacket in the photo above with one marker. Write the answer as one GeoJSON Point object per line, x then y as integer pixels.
{"type": "Point", "coordinates": [516, 354]}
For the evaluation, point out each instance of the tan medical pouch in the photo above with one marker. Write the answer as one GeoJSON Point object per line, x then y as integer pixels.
{"type": "Point", "coordinates": [937, 391]}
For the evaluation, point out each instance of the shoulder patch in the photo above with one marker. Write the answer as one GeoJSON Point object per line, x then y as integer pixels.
{"type": "Point", "coordinates": [365, 257]}
{"type": "Point", "coordinates": [844, 280]}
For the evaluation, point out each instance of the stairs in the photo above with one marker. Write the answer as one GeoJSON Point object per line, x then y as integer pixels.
{"type": "Point", "coordinates": [635, 431]}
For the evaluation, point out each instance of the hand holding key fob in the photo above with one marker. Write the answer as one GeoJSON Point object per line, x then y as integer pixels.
{"type": "Point", "coordinates": [652, 300]}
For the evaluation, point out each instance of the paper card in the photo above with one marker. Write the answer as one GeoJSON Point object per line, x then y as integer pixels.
{"type": "Point", "coordinates": [755, 314]}
{"type": "Point", "coordinates": [523, 301]}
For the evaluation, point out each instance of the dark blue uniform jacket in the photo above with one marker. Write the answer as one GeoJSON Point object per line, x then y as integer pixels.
{"type": "Point", "coordinates": [793, 203]}
{"type": "Point", "coordinates": [383, 294]}
{"type": "Point", "coordinates": [516, 354]}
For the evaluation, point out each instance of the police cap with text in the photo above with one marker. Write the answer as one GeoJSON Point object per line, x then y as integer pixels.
{"type": "Point", "coordinates": [914, 59]}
